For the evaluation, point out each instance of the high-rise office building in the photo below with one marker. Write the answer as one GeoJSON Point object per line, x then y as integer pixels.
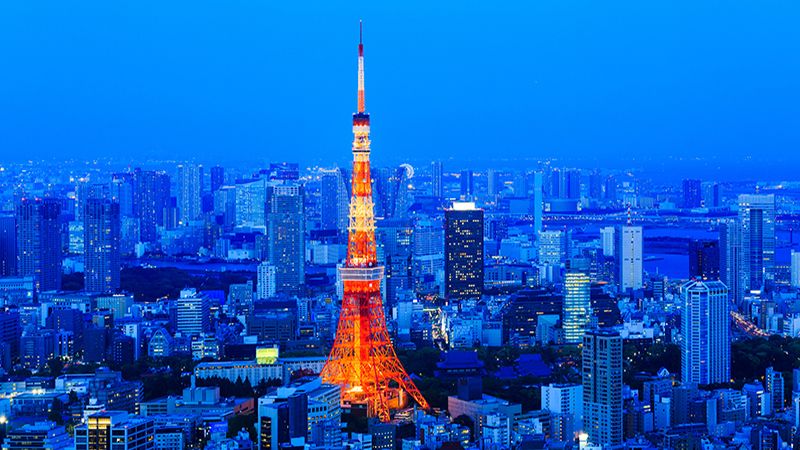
{"type": "Point", "coordinates": [552, 247]}
{"type": "Point", "coordinates": [595, 185]}
{"type": "Point", "coordinates": [282, 419]}
{"type": "Point", "coordinates": [704, 259]}
{"type": "Point", "coordinates": [538, 201]}
{"type": "Point", "coordinates": [705, 323]}
{"type": "Point", "coordinates": [117, 430]}
{"type": "Point", "coordinates": [774, 384]}
{"type": "Point", "coordinates": [122, 190]}
{"type": "Point", "coordinates": [611, 188]}
{"type": "Point", "coordinates": [555, 188]}
{"type": "Point", "coordinates": [193, 316]}
{"type": "Point", "coordinates": [334, 201]}
{"type": "Point", "coordinates": [101, 245]}
{"type": "Point", "coordinates": [190, 192]}
{"type": "Point", "coordinates": [251, 200]}
{"type": "Point", "coordinates": [572, 184]}
{"type": "Point", "coordinates": [10, 332]}
{"type": "Point", "coordinates": [217, 178]}
{"type": "Point", "coordinates": [427, 262]}
{"type": "Point", "coordinates": [150, 198]}
{"type": "Point", "coordinates": [711, 197]}
{"type": "Point", "coordinates": [266, 280]}
{"type": "Point", "coordinates": [39, 246]}
{"type": "Point", "coordinates": [467, 184]}
{"type": "Point", "coordinates": [493, 186]}
{"type": "Point", "coordinates": [577, 306]}
{"type": "Point", "coordinates": [37, 348]}
{"type": "Point", "coordinates": [757, 228]}
{"type": "Point", "coordinates": [692, 194]}
{"type": "Point", "coordinates": [395, 237]}
{"type": "Point", "coordinates": [463, 242]}
{"type": "Point", "coordinates": [628, 254]}
{"type": "Point", "coordinates": [286, 236]}
{"type": "Point", "coordinates": [795, 269]}
{"type": "Point", "coordinates": [566, 402]}
{"type": "Point", "coordinates": [730, 255]}
{"type": "Point", "coordinates": [8, 245]}
{"type": "Point", "coordinates": [399, 192]}
{"type": "Point", "coordinates": [602, 387]}
{"type": "Point", "coordinates": [607, 240]}
{"type": "Point", "coordinates": [437, 186]}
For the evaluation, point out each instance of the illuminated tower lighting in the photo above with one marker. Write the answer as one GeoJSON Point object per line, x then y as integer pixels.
{"type": "Point", "coordinates": [363, 361]}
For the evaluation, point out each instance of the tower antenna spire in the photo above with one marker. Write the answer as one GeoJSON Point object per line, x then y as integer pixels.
{"type": "Point", "coordinates": [362, 106]}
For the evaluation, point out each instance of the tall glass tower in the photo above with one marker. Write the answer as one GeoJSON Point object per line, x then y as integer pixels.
{"type": "Point", "coordinates": [577, 306]}
{"type": "Point", "coordinates": [705, 323]}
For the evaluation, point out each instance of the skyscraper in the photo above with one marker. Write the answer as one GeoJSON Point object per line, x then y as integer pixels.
{"type": "Point", "coordinates": [628, 253]}
{"type": "Point", "coordinates": [101, 245]}
{"type": "Point", "coordinates": [711, 197]}
{"type": "Point", "coordinates": [190, 191]}
{"type": "Point", "coordinates": [611, 188]}
{"type": "Point", "coordinates": [217, 178]}
{"type": "Point", "coordinates": [282, 419]}
{"type": "Point", "coordinates": [493, 186]}
{"type": "Point", "coordinates": [39, 246]}
{"type": "Point", "coordinates": [123, 189]}
{"type": "Point", "coordinates": [552, 247]}
{"type": "Point", "coordinates": [556, 185]}
{"type": "Point", "coordinates": [565, 401]}
{"type": "Point", "coordinates": [395, 236]}
{"type": "Point", "coordinates": [602, 387]}
{"type": "Point", "coordinates": [607, 240]}
{"type": "Point", "coordinates": [193, 316]}
{"type": "Point", "coordinates": [467, 185]}
{"type": "Point", "coordinates": [795, 269]}
{"type": "Point", "coordinates": [595, 185]}
{"type": "Point", "coordinates": [775, 385]}
{"type": "Point", "coordinates": [577, 306]}
{"type": "Point", "coordinates": [266, 280]}
{"type": "Point", "coordinates": [730, 255]}
{"type": "Point", "coordinates": [437, 186]}
{"type": "Point", "coordinates": [704, 259]}
{"type": "Point", "coordinates": [428, 254]}
{"type": "Point", "coordinates": [285, 235]}
{"type": "Point", "coordinates": [400, 194]}
{"type": "Point", "coordinates": [463, 248]}
{"type": "Point", "coordinates": [538, 201]}
{"type": "Point", "coordinates": [572, 184]}
{"type": "Point", "coordinates": [692, 194]}
{"type": "Point", "coordinates": [251, 200]}
{"type": "Point", "coordinates": [8, 245]}
{"type": "Point", "coordinates": [705, 323]}
{"type": "Point", "coordinates": [150, 198]}
{"type": "Point", "coordinates": [757, 222]}
{"type": "Point", "coordinates": [334, 198]}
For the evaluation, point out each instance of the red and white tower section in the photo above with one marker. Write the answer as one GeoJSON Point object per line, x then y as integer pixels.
{"type": "Point", "coordinates": [363, 361]}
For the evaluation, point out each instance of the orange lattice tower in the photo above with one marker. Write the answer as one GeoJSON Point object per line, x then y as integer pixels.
{"type": "Point", "coordinates": [362, 360]}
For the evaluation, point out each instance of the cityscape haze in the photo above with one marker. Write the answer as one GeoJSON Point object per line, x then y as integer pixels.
{"type": "Point", "coordinates": [548, 225]}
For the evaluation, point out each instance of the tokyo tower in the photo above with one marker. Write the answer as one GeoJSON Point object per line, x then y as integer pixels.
{"type": "Point", "coordinates": [363, 361]}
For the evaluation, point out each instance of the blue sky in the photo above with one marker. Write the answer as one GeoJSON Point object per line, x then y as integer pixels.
{"type": "Point", "coordinates": [264, 80]}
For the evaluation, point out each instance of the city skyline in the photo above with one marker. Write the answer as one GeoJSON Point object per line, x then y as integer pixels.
{"type": "Point", "coordinates": [488, 300]}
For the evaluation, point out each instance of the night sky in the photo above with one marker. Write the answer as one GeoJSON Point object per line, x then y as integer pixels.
{"type": "Point", "coordinates": [587, 81]}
